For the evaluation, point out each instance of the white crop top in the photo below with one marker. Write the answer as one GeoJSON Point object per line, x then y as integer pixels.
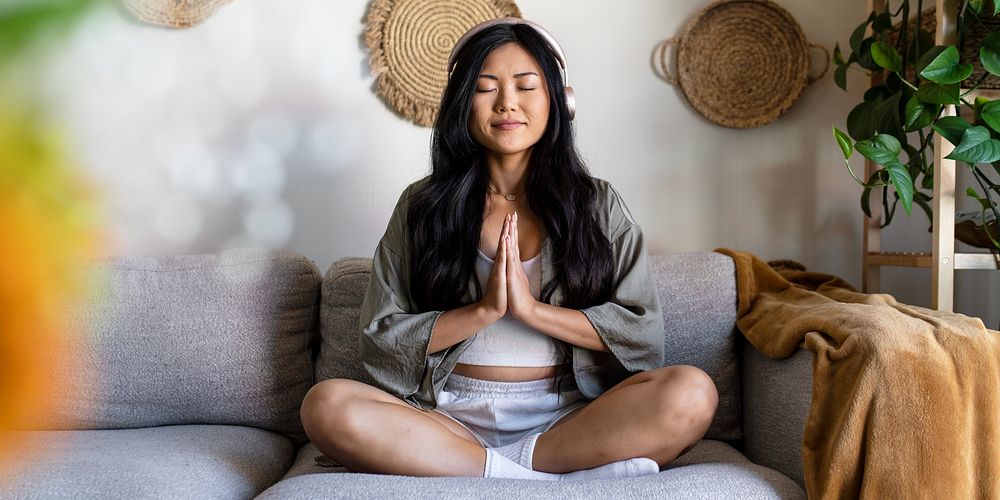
{"type": "Point", "coordinates": [508, 341]}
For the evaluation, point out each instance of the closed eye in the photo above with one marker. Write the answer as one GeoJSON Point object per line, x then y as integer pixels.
{"type": "Point", "coordinates": [482, 91]}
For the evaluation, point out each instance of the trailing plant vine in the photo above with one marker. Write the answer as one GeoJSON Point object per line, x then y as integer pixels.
{"type": "Point", "coordinates": [895, 123]}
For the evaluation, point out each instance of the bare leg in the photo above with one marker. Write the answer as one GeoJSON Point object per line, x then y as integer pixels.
{"type": "Point", "coordinates": [369, 430]}
{"type": "Point", "coordinates": [657, 414]}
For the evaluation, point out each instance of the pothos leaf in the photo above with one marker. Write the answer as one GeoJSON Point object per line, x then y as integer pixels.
{"type": "Point", "coordinates": [882, 149]}
{"type": "Point", "coordinates": [844, 142]}
{"type": "Point", "coordinates": [946, 68]}
{"type": "Point", "coordinates": [886, 56]}
{"type": "Point", "coordinates": [903, 183]}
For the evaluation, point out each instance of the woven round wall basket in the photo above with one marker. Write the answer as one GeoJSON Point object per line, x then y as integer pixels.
{"type": "Point", "coordinates": [741, 63]}
{"type": "Point", "coordinates": [173, 13]}
{"type": "Point", "coordinates": [410, 41]}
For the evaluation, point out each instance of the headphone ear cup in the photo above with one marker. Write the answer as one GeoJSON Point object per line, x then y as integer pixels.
{"type": "Point", "coordinates": [570, 102]}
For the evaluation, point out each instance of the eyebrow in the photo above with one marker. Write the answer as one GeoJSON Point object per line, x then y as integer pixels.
{"type": "Point", "coordinates": [519, 75]}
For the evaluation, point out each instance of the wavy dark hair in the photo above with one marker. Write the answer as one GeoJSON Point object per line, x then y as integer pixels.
{"type": "Point", "coordinates": [445, 217]}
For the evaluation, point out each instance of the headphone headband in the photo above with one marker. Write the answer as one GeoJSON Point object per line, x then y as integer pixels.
{"type": "Point", "coordinates": [549, 39]}
{"type": "Point", "coordinates": [553, 44]}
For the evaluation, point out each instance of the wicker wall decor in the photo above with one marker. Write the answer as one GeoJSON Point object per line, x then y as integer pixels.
{"type": "Point", "coordinates": [741, 63]}
{"type": "Point", "coordinates": [173, 13]}
{"type": "Point", "coordinates": [410, 41]}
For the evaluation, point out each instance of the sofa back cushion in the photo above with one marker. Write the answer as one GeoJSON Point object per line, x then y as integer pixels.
{"type": "Point", "coordinates": [698, 294]}
{"type": "Point", "coordinates": [206, 339]}
{"type": "Point", "coordinates": [343, 291]}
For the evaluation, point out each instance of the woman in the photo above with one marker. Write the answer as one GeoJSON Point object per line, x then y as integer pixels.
{"type": "Point", "coordinates": [490, 363]}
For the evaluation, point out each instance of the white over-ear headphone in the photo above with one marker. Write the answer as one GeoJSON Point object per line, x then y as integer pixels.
{"type": "Point", "coordinates": [549, 39]}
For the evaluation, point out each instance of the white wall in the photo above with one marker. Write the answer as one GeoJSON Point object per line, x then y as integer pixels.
{"type": "Point", "coordinates": [260, 127]}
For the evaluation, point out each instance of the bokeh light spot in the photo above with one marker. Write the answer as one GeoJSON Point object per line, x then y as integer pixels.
{"type": "Point", "coordinates": [178, 219]}
{"type": "Point", "coordinates": [269, 222]}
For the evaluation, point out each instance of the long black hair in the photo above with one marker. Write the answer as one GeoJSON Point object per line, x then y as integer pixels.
{"type": "Point", "coordinates": [445, 217]}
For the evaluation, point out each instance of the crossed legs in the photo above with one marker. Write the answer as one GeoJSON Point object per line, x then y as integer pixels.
{"type": "Point", "coordinates": [369, 430]}
{"type": "Point", "coordinates": [657, 414]}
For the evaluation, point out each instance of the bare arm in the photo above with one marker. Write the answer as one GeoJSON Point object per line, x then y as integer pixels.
{"type": "Point", "coordinates": [568, 325]}
{"type": "Point", "coordinates": [459, 324]}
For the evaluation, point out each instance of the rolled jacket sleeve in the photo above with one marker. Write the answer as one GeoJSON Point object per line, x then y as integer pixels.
{"type": "Point", "coordinates": [631, 322]}
{"type": "Point", "coordinates": [394, 336]}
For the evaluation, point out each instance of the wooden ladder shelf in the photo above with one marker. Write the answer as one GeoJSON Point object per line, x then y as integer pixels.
{"type": "Point", "coordinates": [942, 260]}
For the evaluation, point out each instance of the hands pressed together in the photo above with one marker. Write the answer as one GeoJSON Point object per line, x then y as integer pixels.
{"type": "Point", "coordinates": [508, 288]}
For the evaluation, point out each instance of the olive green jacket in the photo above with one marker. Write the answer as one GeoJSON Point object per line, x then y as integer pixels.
{"type": "Point", "coordinates": [395, 335]}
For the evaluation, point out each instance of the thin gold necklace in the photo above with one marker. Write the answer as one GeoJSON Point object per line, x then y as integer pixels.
{"type": "Point", "coordinates": [508, 197]}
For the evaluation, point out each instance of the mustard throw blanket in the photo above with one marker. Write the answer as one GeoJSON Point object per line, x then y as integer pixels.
{"type": "Point", "coordinates": [906, 400]}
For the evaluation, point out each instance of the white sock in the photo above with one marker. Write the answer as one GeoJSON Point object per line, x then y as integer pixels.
{"type": "Point", "coordinates": [522, 451]}
{"type": "Point", "coordinates": [514, 461]}
{"type": "Point", "coordinates": [633, 467]}
{"type": "Point", "coordinates": [498, 465]}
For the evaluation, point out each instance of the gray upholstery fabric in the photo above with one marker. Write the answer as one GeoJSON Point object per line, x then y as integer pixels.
{"type": "Point", "coordinates": [185, 461]}
{"type": "Point", "coordinates": [711, 470]}
{"type": "Point", "coordinates": [217, 339]}
{"type": "Point", "coordinates": [305, 462]}
{"type": "Point", "coordinates": [342, 293]}
{"type": "Point", "coordinates": [706, 451]}
{"type": "Point", "coordinates": [698, 291]}
{"type": "Point", "coordinates": [777, 395]}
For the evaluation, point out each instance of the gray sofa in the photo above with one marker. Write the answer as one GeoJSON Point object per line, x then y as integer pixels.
{"type": "Point", "coordinates": [197, 365]}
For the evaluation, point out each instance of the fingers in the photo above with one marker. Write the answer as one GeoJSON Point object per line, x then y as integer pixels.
{"type": "Point", "coordinates": [520, 301]}
{"type": "Point", "coordinates": [502, 256]}
{"type": "Point", "coordinates": [504, 230]}
{"type": "Point", "coordinates": [505, 251]}
{"type": "Point", "coordinates": [510, 264]}
{"type": "Point", "coordinates": [513, 251]}
{"type": "Point", "coordinates": [516, 254]}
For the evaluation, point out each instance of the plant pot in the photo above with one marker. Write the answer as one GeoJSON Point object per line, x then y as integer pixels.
{"type": "Point", "coordinates": [969, 229]}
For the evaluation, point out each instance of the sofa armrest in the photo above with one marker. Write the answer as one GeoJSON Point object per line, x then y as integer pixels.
{"type": "Point", "coordinates": [776, 399]}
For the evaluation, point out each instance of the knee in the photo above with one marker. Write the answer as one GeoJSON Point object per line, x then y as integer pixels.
{"type": "Point", "coordinates": [687, 397]}
{"type": "Point", "coordinates": [327, 409]}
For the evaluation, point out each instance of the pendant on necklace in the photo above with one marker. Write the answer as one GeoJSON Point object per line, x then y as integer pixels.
{"type": "Point", "coordinates": [510, 197]}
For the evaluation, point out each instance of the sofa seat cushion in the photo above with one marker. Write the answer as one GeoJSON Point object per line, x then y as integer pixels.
{"type": "Point", "coordinates": [712, 469]}
{"type": "Point", "coordinates": [179, 461]}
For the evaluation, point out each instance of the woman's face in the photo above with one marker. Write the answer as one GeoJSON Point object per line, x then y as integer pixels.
{"type": "Point", "coordinates": [510, 107]}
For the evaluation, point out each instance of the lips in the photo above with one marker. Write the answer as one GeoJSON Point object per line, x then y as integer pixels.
{"type": "Point", "coordinates": [507, 124]}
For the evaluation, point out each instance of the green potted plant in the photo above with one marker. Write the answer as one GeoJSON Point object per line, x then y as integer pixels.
{"type": "Point", "coordinates": [895, 123]}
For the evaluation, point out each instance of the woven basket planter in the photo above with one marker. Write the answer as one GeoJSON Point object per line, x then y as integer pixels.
{"type": "Point", "coordinates": [410, 41]}
{"type": "Point", "coordinates": [741, 63]}
{"type": "Point", "coordinates": [969, 50]}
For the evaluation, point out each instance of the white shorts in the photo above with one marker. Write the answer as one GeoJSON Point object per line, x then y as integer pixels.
{"type": "Point", "coordinates": [501, 413]}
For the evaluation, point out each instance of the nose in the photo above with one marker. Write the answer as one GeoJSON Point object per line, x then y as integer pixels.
{"type": "Point", "coordinates": [506, 99]}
